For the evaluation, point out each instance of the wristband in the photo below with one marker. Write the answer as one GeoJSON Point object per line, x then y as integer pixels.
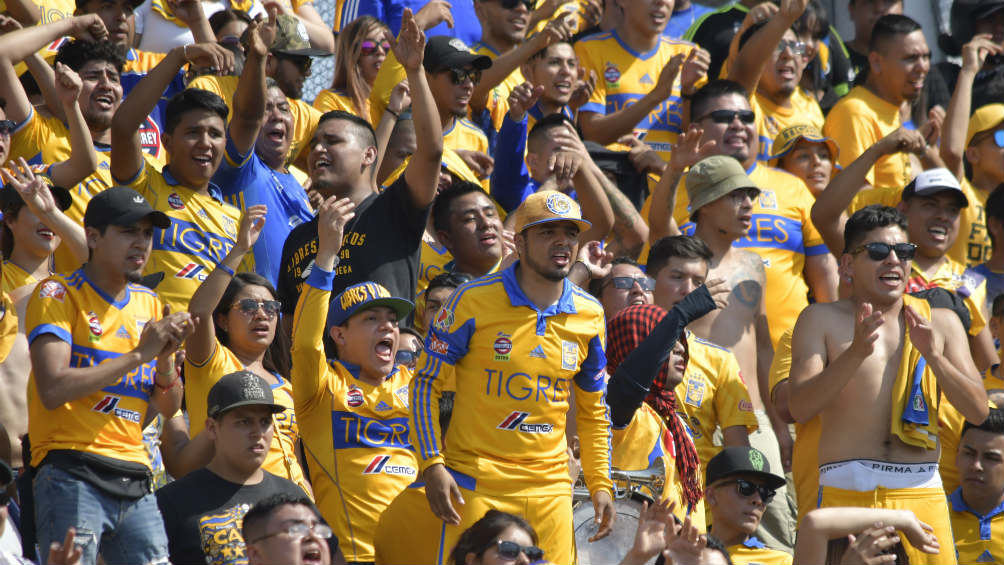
{"type": "Point", "coordinates": [225, 269]}
{"type": "Point", "coordinates": [392, 113]}
{"type": "Point", "coordinates": [174, 383]}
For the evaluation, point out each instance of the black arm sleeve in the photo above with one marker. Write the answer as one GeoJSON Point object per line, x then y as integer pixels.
{"type": "Point", "coordinates": [631, 381]}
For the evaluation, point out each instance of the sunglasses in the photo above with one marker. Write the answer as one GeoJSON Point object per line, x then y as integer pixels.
{"type": "Point", "coordinates": [511, 4]}
{"type": "Point", "coordinates": [727, 116]}
{"type": "Point", "coordinates": [250, 306]}
{"type": "Point", "coordinates": [7, 126]}
{"type": "Point", "coordinates": [747, 489]}
{"type": "Point", "coordinates": [460, 75]}
{"type": "Point", "coordinates": [626, 283]}
{"type": "Point", "coordinates": [300, 530]}
{"type": "Point", "coordinates": [302, 62]}
{"type": "Point", "coordinates": [878, 251]}
{"type": "Point", "coordinates": [511, 550]}
{"type": "Point", "coordinates": [797, 47]}
{"type": "Point", "coordinates": [370, 47]}
{"type": "Point", "coordinates": [407, 357]}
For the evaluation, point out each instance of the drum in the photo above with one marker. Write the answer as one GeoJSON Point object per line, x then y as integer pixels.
{"type": "Point", "coordinates": [614, 547]}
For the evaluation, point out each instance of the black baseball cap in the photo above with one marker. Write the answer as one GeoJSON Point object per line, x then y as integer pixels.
{"type": "Point", "coordinates": [9, 195]}
{"type": "Point", "coordinates": [985, 8]}
{"type": "Point", "coordinates": [121, 206]}
{"type": "Point", "coordinates": [242, 388]}
{"type": "Point", "coordinates": [741, 461]}
{"type": "Point", "coordinates": [443, 52]}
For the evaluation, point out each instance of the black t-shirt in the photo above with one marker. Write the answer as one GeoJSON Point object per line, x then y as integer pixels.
{"type": "Point", "coordinates": [381, 244]}
{"type": "Point", "coordinates": [715, 32]}
{"type": "Point", "coordinates": [203, 514]}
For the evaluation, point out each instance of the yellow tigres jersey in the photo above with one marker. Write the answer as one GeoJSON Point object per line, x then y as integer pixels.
{"type": "Point", "coordinates": [44, 141]}
{"type": "Point", "coordinates": [782, 234]}
{"type": "Point", "coordinates": [355, 435]}
{"type": "Point", "coordinates": [464, 134]}
{"type": "Point", "coordinates": [107, 422]}
{"type": "Point", "coordinates": [515, 368]}
{"type": "Point", "coordinates": [625, 76]}
{"type": "Point", "coordinates": [972, 246]}
{"type": "Point", "coordinates": [712, 395]}
{"type": "Point", "coordinates": [755, 552]}
{"type": "Point", "coordinates": [8, 324]}
{"type": "Point", "coordinates": [328, 100]}
{"type": "Point", "coordinates": [574, 7]}
{"type": "Point", "coordinates": [953, 276]}
{"type": "Point", "coordinates": [305, 116]}
{"type": "Point", "coordinates": [950, 422]}
{"type": "Point", "coordinates": [856, 122]}
{"type": "Point", "coordinates": [771, 118]}
{"type": "Point", "coordinates": [975, 540]}
{"type": "Point", "coordinates": [15, 277]}
{"type": "Point", "coordinates": [199, 378]}
{"type": "Point", "coordinates": [203, 230]}
{"type": "Point", "coordinates": [637, 446]}
{"type": "Point", "coordinates": [50, 10]}
{"type": "Point", "coordinates": [498, 99]}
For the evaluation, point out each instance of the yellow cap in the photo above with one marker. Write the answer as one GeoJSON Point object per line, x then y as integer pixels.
{"type": "Point", "coordinates": [548, 206]}
{"type": "Point", "coordinates": [788, 137]}
{"type": "Point", "coordinates": [984, 118]}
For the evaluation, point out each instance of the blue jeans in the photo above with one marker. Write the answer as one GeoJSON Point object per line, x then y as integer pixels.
{"type": "Point", "coordinates": [122, 531]}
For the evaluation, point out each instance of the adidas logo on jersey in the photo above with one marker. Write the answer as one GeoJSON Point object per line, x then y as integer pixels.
{"type": "Point", "coordinates": [514, 421]}
{"type": "Point", "coordinates": [382, 406]}
{"type": "Point", "coordinates": [379, 466]}
{"type": "Point", "coordinates": [123, 333]}
{"type": "Point", "coordinates": [645, 79]}
{"type": "Point", "coordinates": [538, 352]}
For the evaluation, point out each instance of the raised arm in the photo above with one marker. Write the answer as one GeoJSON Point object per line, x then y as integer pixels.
{"type": "Point", "coordinates": [572, 160]}
{"type": "Point", "coordinates": [422, 173]}
{"type": "Point", "coordinates": [191, 14]}
{"type": "Point", "coordinates": [688, 151]}
{"type": "Point", "coordinates": [318, 32]}
{"type": "Point", "coordinates": [821, 525]}
{"type": "Point", "coordinates": [83, 158]}
{"type": "Point", "coordinates": [36, 195]}
{"type": "Point", "coordinates": [953, 138]}
{"type": "Point", "coordinates": [400, 100]}
{"type": "Point", "coordinates": [828, 212]}
{"type": "Point", "coordinates": [510, 180]}
{"type": "Point", "coordinates": [200, 345]}
{"type": "Point", "coordinates": [249, 100]}
{"type": "Point", "coordinates": [127, 151]}
{"type": "Point", "coordinates": [752, 59]}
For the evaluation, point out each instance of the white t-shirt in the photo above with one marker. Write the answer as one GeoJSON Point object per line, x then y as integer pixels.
{"type": "Point", "coordinates": [160, 35]}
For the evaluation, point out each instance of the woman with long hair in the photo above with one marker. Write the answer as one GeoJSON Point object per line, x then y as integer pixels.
{"type": "Point", "coordinates": [237, 317]}
{"type": "Point", "coordinates": [362, 49]}
{"type": "Point", "coordinates": [497, 538]}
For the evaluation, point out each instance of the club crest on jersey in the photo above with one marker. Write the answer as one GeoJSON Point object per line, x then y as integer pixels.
{"type": "Point", "coordinates": [354, 397]}
{"type": "Point", "coordinates": [402, 395]}
{"type": "Point", "coordinates": [695, 392]}
{"type": "Point", "coordinates": [502, 347]}
{"type": "Point", "coordinates": [612, 74]}
{"type": "Point", "coordinates": [444, 319]}
{"type": "Point", "coordinates": [95, 325]}
{"type": "Point", "coordinates": [569, 355]}
{"type": "Point", "coordinates": [229, 227]}
{"type": "Point", "coordinates": [174, 201]}
{"type": "Point", "coordinates": [768, 200]}
{"type": "Point", "coordinates": [378, 465]}
{"type": "Point", "coordinates": [52, 289]}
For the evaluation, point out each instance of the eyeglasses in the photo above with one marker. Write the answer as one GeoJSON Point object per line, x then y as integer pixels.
{"type": "Point", "coordinates": [299, 530]}
{"type": "Point", "coordinates": [407, 357]}
{"type": "Point", "coordinates": [878, 251]}
{"type": "Point", "coordinates": [797, 47]}
{"type": "Point", "coordinates": [511, 4]}
{"type": "Point", "coordinates": [460, 75]}
{"type": "Point", "coordinates": [511, 550]}
{"type": "Point", "coordinates": [368, 47]}
{"type": "Point", "coordinates": [7, 127]}
{"type": "Point", "coordinates": [747, 489]}
{"type": "Point", "coordinates": [727, 116]}
{"type": "Point", "coordinates": [626, 283]}
{"type": "Point", "coordinates": [302, 62]}
{"type": "Point", "coordinates": [250, 306]}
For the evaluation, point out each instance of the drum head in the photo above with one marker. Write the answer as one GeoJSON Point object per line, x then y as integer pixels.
{"type": "Point", "coordinates": [612, 548]}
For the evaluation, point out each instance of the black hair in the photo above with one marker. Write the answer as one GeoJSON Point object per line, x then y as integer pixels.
{"type": "Point", "coordinates": [888, 27]}
{"type": "Point", "coordinates": [543, 126]}
{"type": "Point", "coordinates": [683, 246]}
{"type": "Point", "coordinates": [225, 16]}
{"type": "Point", "coordinates": [713, 543]}
{"type": "Point", "coordinates": [995, 209]}
{"type": "Point", "coordinates": [814, 12]}
{"type": "Point", "coordinates": [10, 211]}
{"type": "Point", "coordinates": [441, 205]}
{"type": "Point", "coordinates": [870, 218]}
{"type": "Point", "coordinates": [363, 128]}
{"type": "Point", "coordinates": [997, 309]}
{"type": "Point", "coordinates": [481, 535]}
{"type": "Point", "coordinates": [993, 424]}
{"type": "Point", "coordinates": [193, 99]}
{"type": "Point", "coordinates": [446, 280]}
{"type": "Point", "coordinates": [837, 548]}
{"type": "Point", "coordinates": [78, 52]}
{"type": "Point", "coordinates": [542, 53]}
{"type": "Point", "coordinates": [277, 355]}
{"type": "Point", "coordinates": [596, 285]}
{"type": "Point", "coordinates": [3, 103]}
{"type": "Point", "coordinates": [257, 517]}
{"type": "Point", "coordinates": [713, 89]}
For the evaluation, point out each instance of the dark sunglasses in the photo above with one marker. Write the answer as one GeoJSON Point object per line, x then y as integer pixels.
{"type": "Point", "coordinates": [746, 488]}
{"type": "Point", "coordinates": [797, 47]}
{"type": "Point", "coordinates": [407, 357]}
{"type": "Point", "coordinates": [878, 251]}
{"type": "Point", "coordinates": [370, 47]}
{"type": "Point", "coordinates": [250, 306]}
{"type": "Point", "coordinates": [726, 116]}
{"type": "Point", "coordinates": [511, 4]}
{"type": "Point", "coordinates": [302, 62]}
{"type": "Point", "coordinates": [626, 283]}
{"type": "Point", "coordinates": [460, 75]}
{"type": "Point", "coordinates": [7, 126]}
{"type": "Point", "coordinates": [511, 550]}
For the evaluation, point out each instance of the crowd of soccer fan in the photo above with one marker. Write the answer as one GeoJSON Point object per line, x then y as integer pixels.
{"type": "Point", "coordinates": [533, 281]}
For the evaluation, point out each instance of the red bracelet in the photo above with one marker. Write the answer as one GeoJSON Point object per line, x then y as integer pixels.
{"type": "Point", "coordinates": [174, 383]}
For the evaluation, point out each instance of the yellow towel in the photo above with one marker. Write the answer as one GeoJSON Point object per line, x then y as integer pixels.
{"type": "Point", "coordinates": [915, 394]}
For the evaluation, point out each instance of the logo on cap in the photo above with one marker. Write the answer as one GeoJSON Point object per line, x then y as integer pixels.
{"type": "Point", "coordinates": [137, 199]}
{"type": "Point", "coordinates": [559, 204]}
{"type": "Point", "coordinates": [251, 388]}
{"type": "Point", "coordinates": [362, 293]}
{"type": "Point", "coordinates": [458, 44]}
{"type": "Point", "coordinates": [756, 459]}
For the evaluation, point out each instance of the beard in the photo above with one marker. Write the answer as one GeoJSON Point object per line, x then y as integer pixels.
{"type": "Point", "coordinates": [549, 272]}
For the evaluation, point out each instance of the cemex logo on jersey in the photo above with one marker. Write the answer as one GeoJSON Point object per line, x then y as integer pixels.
{"type": "Point", "coordinates": [192, 271]}
{"type": "Point", "coordinates": [514, 421]}
{"type": "Point", "coordinates": [109, 405]}
{"type": "Point", "coordinates": [379, 465]}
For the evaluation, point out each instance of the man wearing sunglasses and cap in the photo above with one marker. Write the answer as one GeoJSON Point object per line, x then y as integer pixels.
{"type": "Point", "coordinates": [203, 510]}
{"type": "Point", "coordinates": [353, 410]}
{"type": "Point", "coordinates": [740, 484]}
{"type": "Point", "coordinates": [518, 344]}
{"type": "Point", "coordinates": [900, 357]}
